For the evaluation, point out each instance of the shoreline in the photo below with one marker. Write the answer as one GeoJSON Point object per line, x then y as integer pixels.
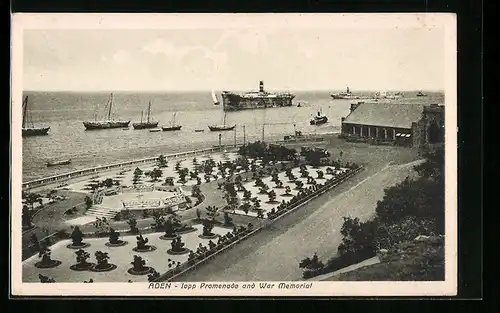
{"type": "Point", "coordinates": [209, 147]}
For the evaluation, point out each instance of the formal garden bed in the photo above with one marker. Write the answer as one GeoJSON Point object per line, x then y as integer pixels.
{"type": "Point", "coordinates": [100, 269]}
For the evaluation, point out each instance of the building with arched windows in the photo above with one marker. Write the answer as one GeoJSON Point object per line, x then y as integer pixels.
{"type": "Point", "coordinates": [405, 124]}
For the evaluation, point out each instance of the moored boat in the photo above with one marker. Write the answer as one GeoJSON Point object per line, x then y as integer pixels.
{"type": "Point", "coordinates": [319, 119]}
{"type": "Point", "coordinates": [421, 94]}
{"type": "Point", "coordinates": [108, 122]}
{"type": "Point", "coordinates": [148, 123]}
{"type": "Point", "coordinates": [260, 99]}
{"type": "Point", "coordinates": [31, 130]}
{"type": "Point", "coordinates": [172, 127]}
{"type": "Point", "coordinates": [347, 95]}
{"type": "Point", "coordinates": [59, 162]}
{"type": "Point", "coordinates": [223, 126]}
{"type": "Point", "coordinates": [154, 130]}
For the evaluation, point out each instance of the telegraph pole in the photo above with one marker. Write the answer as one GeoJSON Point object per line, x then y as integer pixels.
{"type": "Point", "coordinates": [235, 137]}
{"type": "Point", "coordinates": [263, 132]}
{"type": "Point", "coordinates": [220, 137]}
{"type": "Point", "coordinates": [244, 138]}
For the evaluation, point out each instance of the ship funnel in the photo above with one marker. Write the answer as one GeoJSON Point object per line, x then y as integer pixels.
{"type": "Point", "coordinates": [261, 86]}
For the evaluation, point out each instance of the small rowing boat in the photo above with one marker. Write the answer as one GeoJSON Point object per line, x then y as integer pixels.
{"type": "Point", "coordinates": [59, 162]}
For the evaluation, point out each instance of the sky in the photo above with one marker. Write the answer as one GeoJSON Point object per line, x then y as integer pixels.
{"type": "Point", "coordinates": [233, 59]}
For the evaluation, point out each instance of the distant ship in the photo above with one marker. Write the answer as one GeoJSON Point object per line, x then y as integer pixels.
{"type": "Point", "coordinates": [172, 127]}
{"type": "Point", "coordinates": [60, 162]}
{"type": "Point", "coordinates": [319, 119]}
{"type": "Point", "coordinates": [421, 94]}
{"type": "Point", "coordinates": [385, 95]}
{"type": "Point", "coordinates": [223, 126]}
{"type": "Point", "coordinates": [31, 130]}
{"type": "Point", "coordinates": [347, 95]}
{"type": "Point", "coordinates": [148, 123]}
{"type": "Point", "coordinates": [255, 99]}
{"type": "Point", "coordinates": [108, 121]}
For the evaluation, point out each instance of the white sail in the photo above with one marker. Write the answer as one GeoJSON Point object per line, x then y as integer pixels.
{"type": "Point", "coordinates": [214, 98]}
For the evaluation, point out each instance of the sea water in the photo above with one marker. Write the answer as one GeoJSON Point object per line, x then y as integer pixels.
{"type": "Point", "coordinates": [64, 112]}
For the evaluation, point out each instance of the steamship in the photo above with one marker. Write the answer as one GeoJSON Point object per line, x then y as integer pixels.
{"type": "Point", "coordinates": [255, 99]}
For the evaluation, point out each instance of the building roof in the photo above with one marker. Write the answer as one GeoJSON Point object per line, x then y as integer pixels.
{"type": "Point", "coordinates": [397, 115]}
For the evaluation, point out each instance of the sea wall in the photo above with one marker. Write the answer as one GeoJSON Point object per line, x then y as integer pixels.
{"type": "Point", "coordinates": [104, 168]}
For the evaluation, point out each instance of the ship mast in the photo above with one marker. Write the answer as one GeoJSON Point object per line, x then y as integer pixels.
{"type": "Point", "coordinates": [142, 113]}
{"type": "Point", "coordinates": [110, 106]}
{"type": "Point", "coordinates": [25, 107]}
{"type": "Point", "coordinates": [224, 110]}
{"type": "Point", "coordinates": [173, 119]}
{"type": "Point", "coordinates": [149, 110]}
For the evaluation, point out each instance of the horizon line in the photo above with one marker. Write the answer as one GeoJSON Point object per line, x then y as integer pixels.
{"type": "Point", "coordinates": [243, 90]}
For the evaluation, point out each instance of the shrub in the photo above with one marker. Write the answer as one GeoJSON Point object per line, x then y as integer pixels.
{"type": "Point", "coordinates": [132, 223]}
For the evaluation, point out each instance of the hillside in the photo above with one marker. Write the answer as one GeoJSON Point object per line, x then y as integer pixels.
{"type": "Point", "coordinates": [418, 260]}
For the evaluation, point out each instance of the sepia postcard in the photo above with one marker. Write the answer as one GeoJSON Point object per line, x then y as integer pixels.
{"type": "Point", "coordinates": [234, 155]}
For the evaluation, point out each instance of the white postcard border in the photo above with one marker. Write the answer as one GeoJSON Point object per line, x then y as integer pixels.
{"type": "Point", "coordinates": [21, 21]}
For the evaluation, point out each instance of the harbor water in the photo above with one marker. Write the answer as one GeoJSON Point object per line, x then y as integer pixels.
{"type": "Point", "coordinates": [64, 112]}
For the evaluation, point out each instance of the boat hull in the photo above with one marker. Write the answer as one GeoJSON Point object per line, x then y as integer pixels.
{"type": "Point", "coordinates": [145, 125]}
{"type": "Point", "coordinates": [238, 102]}
{"type": "Point", "coordinates": [319, 120]}
{"type": "Point", "coordinates": [221, 127]}
{"type": "Point", "coordinates": [171, 128]}
{"type": "Point", "coordinates": [49, 164]}
{"type": "Point", "coordinates": [345, 97]}
{"type": "Point", "coordinates": [29, 132]}
{"type": "Point", "coordinates": [105, 125]}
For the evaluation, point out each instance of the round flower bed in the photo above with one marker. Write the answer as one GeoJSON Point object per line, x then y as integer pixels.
{"type": "Point", "coordinates": [81, 246]}
{"type": "Point", "coordinates": [147, 249]}
{"type": "Point", "coordinates": [81, 267]}
{"type": "Point", "coordinates": [182, 251]}
{"type": "Point", "coordinates": [106, 268]}
{"type": "Point", "coordinates": [145, 271]}
{"type": "Point", "coordinates": [47, 264]}
{"type": "Point", "coordinates": [165, 237]}
{"type": "Point", "coordinates": [120, 243]}
{"type": "Point", "coordinates": [209, 236]}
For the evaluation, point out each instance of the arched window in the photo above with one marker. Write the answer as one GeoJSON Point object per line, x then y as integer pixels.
{"type": "Point", "coordinates": [435, 133]}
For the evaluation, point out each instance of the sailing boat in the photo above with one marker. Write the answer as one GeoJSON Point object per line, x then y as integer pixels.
{"type": "Point", "coordinates": [223, 126]}
{"type": "Point", "coordinates": [32, 130]}
{"type": "Point", "coordinates": [108, 122]}
{"type": "Point", "coordinates": [148, 123]}
{"type": "Point", "coordinates": [172, 127]}
{"type": "Point", "coordinates": [214, 98]}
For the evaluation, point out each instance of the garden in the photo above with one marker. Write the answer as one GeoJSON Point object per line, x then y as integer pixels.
{"type": "Point", "coordinates": [263, 182]}
{"type": "Point", "coordinates": [117, 258]}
